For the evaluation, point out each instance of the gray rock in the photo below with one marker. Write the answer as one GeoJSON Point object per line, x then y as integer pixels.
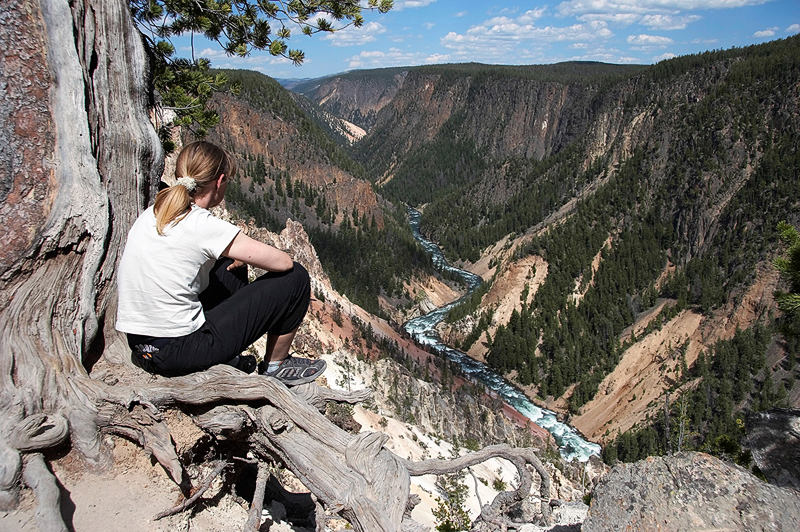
{"type": "Point", "coordinates": [774, 439]}
{"type": "Point", "coordinates": [689, 491]}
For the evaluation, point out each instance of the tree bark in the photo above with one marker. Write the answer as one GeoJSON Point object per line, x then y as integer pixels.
{"type": "Point", "coordinates": [78, 155]}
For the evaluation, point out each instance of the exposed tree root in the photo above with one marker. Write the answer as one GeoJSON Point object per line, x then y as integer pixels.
{"type": "Point", "coordinates": [201, 489]}
{"type": "Point", "coordinates": [493, 512]}
{"type": "Point", "coordinates": [39, 478]}
{"type": "Point", "coordinates": [353, 476]}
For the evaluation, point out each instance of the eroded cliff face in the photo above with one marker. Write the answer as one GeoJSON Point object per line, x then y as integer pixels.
{"type": "Point", "coordinates": [506, 116]}
{"type": "Point", "coordinates": [502, 116]}
{"type": "Point", "coordinates": [460, 415]}
{"type": "Point", "coordinates": [355, 99]}
{"type": "Point", "coordinates": [244, 129]}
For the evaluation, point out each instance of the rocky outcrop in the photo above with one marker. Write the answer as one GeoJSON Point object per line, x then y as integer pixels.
{"type": "Point", "coordinates": [689, 491]}
{"type": "Point", "coordinates": [774, 440]}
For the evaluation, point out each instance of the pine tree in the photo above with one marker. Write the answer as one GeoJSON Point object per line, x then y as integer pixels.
{"type": "Point", "coordinates": [789, 266]}
{"type": "Point", "coordinates": [238, 26]}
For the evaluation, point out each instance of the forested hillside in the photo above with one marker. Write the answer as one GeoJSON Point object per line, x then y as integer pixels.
{"type": "Point", "coordinates": [290, 168]}
{"type": "Point", "coordinates": [638, 186]}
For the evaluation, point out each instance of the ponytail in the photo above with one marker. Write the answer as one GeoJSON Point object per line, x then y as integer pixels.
{"type": "Point", "coordinates": [198, 166]}
{"type": "Point", "coordinates": [172, 204]}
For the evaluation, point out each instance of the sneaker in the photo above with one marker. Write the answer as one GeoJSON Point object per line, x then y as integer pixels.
{"type": "Point", "coordinates": [294, 370]}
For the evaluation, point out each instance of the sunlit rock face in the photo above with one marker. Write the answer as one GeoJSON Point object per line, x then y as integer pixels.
{"type": "Point", "coordinates": [689, 491]}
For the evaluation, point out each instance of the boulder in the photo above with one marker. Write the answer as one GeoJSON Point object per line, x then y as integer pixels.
{"type": "Point", "coordinates": [774, 439]}
{"type": "Point", "coordinates": [689, 491]}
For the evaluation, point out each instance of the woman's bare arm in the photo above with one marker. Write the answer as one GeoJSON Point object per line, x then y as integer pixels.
{"type": "Point", "coordinates": [258, 254]}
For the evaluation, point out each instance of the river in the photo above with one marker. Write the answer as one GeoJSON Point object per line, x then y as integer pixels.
{"type": "Point", "coordinates": [571, 444]}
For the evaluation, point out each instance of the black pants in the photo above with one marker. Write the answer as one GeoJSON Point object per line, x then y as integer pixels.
{"type": "Point", "coordinates": [237, 314]}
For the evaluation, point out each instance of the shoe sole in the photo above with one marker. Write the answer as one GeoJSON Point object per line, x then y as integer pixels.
{"type": "Point", "coordinates": [301, 380]}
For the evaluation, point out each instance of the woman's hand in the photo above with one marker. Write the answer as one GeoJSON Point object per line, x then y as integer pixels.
{"type": "Point", "coordinates": [236, 264]}
{"type": "Point", "coordinates": [244, 249]}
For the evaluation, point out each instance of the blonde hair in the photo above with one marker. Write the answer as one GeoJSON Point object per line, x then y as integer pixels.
{"type": "Point", "coordinates": [204, 163]}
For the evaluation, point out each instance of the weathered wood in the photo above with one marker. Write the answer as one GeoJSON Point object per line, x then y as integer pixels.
{"type": "Point", "coordinates": [39, 431]}
{"type": "Point", "coordinates": [77, 150]}
{"type": "Point", "coordinates": [354, 475]}
{"type": "Point", "coordinates": [319, 397]}
{"type": "Point", "coordinates": [518, 457]}
{"type": "Point", "coordinates": [256, 507]}
{"type": "Point", "coordinates": [48, 509]}
{"type": "Point", "coordinates": [201, 489]}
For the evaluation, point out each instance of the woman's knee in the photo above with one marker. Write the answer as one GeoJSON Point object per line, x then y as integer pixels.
{"type": "Point", "coordinates": [301, 277]}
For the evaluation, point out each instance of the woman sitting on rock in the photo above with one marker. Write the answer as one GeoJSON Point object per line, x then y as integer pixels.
{"type": "Point", "coordinates": [184, 298]}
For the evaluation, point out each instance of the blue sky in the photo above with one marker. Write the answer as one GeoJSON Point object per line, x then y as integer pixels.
{"type": "Point", "coordinates": [418, 32]}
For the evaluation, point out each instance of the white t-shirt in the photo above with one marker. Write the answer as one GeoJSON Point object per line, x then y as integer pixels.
{"type": "Point", "coordinates": [160, 277]}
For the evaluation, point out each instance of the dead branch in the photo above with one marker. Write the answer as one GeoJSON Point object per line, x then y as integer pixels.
{"type": "Point", "coordinates": [254, 516]}
{"type": "Point", "coordinates": [519, 457]}
{"type": "Point", "coordinates": [204, 485]}
{"type": "Point", "coordinates": [475, 480]}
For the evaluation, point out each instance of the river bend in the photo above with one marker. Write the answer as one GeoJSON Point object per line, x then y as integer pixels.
{"type": "Point", "coordinates": [571, 444]}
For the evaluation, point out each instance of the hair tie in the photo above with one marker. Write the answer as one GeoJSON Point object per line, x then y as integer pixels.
{"type": "Point", "coordinates": [188, 183]}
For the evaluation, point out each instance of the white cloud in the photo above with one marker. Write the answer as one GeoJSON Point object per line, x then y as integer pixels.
{"type": "Point", "coordinates": [531, 16]}
{"type": "Point", "coordinates": [607, 55]}
{"type": "Point", "coordinates": [794, 28]}
{"type": "Point", "coordinates": [668, 22]}
{"type": "Point", "coordinates": [352, 36]}
{"type": "Point", "coordinates": [519, 36]}
{"type": "Point", "coordinates": [661, 57]}
{"type": "Point", "coordinates": [649, 40]}
{"type": "Point", "coordinates": [460, 14]}
{"type": "Point", "coordinates": [577, 7]}
{"type": "Point", "coordinates": [400, 5]}
{"type": "Point", "coordinates": [705, 41]}
{"type": "Point", "coordinates": [619, 19]}
{"type": "Point", "coordinates": [391, 57]}
{"type": "Point", "coordinates": [579, 46]}
{"type": "Point", "coordinates": [653, 21]}
{"type": "Point", "coordinates": [436, 59]}
{"type": "Point", "coordinates": [428, 25]}
{"type": "Point", "coordinates": [769, 32]}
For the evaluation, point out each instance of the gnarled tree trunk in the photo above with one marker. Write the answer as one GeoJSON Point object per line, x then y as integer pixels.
{"type": "Point", "coordinates": [78, 162]}
{"type": "Point", "coordinates": [77, 155]}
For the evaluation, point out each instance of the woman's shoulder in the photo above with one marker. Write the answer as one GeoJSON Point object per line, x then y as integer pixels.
{"type": "Point", "coordinates": [204, 216]}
